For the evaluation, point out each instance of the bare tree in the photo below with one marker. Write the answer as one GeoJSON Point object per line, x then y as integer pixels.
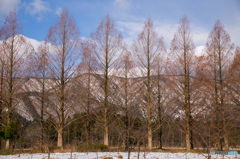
{"type": "Point", "coordinates": [219, 53]}
{"type": "Point", "coordinates": [160, 69]}
{"type": "Point", "coordinates": [146, 49]}
{"type": "Point", "coordinates": [125, 65]}
{"type": "Point", "coordinates": [2, 65]}
{"type": "Point", "coordinates": [107, 44]}
{"type": "Point", "coordinates": [233, 91]}
{"type": "Point", "coordinates": [88, 66]}
{"type": "Point", "coordinates": [15, 50]}
{"type": "Point", "coordinates": [64, 38]}
{"type": "Point", "coordinates": [182, 58]}
{"type": "Point", "coordinates": [41, 63]}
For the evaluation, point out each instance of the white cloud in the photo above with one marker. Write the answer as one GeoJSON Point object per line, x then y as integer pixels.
{"type": "Point", "coordinates": [122, 4]}
{"type": "Point", "coordinates": [7, 5]}
{"type": "Point", "coordinates": [130, 30]}
{"type": "Point", "coordinates": [200, 35]}
{"type": "Point", "coordinates": [234, 31]}
{"type": "Point", "coordinates": [165, 29]}
{"type": "Point", "coordinates": [38, 8]}
{"type": "Point", "coordinates": [58, 11]}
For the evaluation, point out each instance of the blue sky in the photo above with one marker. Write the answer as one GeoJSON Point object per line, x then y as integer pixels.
{"type": "Point", "coordinates": [36, 16]}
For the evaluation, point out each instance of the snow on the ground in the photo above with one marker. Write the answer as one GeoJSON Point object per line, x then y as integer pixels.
{"type": "Point", "coordinates": [101, 155]}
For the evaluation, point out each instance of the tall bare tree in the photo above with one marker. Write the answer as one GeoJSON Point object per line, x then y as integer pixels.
{"type": "Point", "coordinates": [15, 51]}
{"type": "Point", "coordinates": [233, 90]}
{"type": "Point", "coordinates": [107, 41]}
{"type": "Point", "coordinates": [219, 53]}
{"type": "Point", "coordinates": [88, 66]}
{"type": "Point", "coordinates": [2, 65]}
{"type": "Point", "coordinates": [146, 49]}
{"type": "Point", "coordinates": [182, 57]}
{"type": "Point", "coordinates": [126, 65]}
{"type": "Point", "coordinates": [64, 38]}
{"type": "Point", "coordinates": [159, 69]}
{"type": "Point", "coordinates": [41, 64]}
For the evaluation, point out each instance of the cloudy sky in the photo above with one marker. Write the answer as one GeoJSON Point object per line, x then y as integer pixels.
{"type": "Point", "coordinates": [36, 16]}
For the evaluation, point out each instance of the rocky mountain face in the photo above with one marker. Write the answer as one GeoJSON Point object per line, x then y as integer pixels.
{"type": "Point", "coordinates": [29, 95]}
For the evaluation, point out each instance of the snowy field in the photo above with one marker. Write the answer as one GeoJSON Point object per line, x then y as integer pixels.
{"type": "Point", "coordinates": [101, 155]}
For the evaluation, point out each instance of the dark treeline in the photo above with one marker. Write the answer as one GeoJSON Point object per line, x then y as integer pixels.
{"type": "Point", "coordinates": [101, 93]}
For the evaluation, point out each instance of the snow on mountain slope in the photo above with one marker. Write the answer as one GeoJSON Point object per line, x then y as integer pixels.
{"type": "Point", "coordinates": [29, 95]}
{"type": "Point", "coordinates": [34, 42]}
{"type": "Point", "coordinates": [199, 51]}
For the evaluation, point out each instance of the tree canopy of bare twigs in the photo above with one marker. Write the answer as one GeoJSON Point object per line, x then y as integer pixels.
{"type": "Point", "coordinates": [146, 49]}
{"type": "Point", "coordinates": [219, 56]}
{"type": "Point", "coordinates": [64, 38]}
{"type": "Point", "coordinates": [107, 43]}
{"type": "Point", "coordinates": [182, 61]}
{"type": "Point", "coordinates": [15, 51]}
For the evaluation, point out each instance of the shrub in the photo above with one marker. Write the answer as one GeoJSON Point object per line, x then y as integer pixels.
{"type": "Point", "coordinates": [119, 156]}
{"type": "Point", "coordinates": [11, 130]}
{"type": "Point", "coordinates": [2, 134]}
{"type": "Point", "coordinates": [93, 147]}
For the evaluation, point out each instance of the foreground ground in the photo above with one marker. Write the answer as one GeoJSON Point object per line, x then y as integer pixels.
{"type": "Point", "coordinates": [114, 155]}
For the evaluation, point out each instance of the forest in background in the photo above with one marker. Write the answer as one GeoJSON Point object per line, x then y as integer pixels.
{"type": "Point", "coordinates": [100, 94]}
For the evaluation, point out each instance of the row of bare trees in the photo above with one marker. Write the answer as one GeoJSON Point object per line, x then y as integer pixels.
{"type": "Point", "coordinates": [131, 95]}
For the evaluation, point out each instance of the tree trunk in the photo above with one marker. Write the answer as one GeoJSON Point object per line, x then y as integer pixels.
{"type": "Point", "coordinates": [88, 106]}
{"type": "Point", "coordinates": [106, 133]}
{"type": "Point", "coordinates": [191, 132]}
{"type": "Point", "coordinates": [160, 133]}
{"type": "Point", "coordinates": [149, 94]}
{"type": "Point", "coordinates": [217, 121]}
{"type": "Point", "coordinates": [62, 95]}
{"type": "Point", "coordinates": [106, 91]}
{"type": "Point", "coordinates": [60, 138]}
{"type": "Point", "coordinates": [159, 111]}
{"type": "Point", "coordinates": [187, 97]}
{"type": "Point", "coordinates": [41, 131]}
{"type": "Point", "coordinates": [10, 99]}
{"type": "Point", "coordinates": [149, 137]}
{"type": "Point", "coordinates": [222, 101]}
{"type": "Point", "coordinates": [127, 120]}
{"type": "Point", "coordinates": [127, 133]}
{"type": "Point", "coordinates": [61, 123]}
{"type": "Point", "coordinates": [188, 142]}
{"type": "Point", "coordinates": [7, 146]}
{"type": "Point", "coordinates": [106, 116]}
{"type": "Point", "coordinates": [41, 120]}
{"type": "Point", "coordinates": [1, 100]}
{"type": "Point", "coordinates": [226, 147]}
{"type": "Point", "coordinates": [187, 118]}
{"type": "Point", "coordinates": [126, 140]}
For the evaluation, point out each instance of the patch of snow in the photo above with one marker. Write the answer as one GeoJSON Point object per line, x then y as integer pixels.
{"type": "Point", "coordinates": [100, 155]}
